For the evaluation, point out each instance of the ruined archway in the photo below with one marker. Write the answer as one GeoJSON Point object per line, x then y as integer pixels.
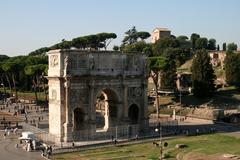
{"type": "Point", "coordinates": [78, 117]}
{"type": "Point", "coordinates": [106, 108]}
{"type": "Point", "coordinates": [133, 114]}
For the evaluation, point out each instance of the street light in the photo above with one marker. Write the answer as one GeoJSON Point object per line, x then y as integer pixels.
{"type": "Point", "coordinates": [160, 138]}
{"type": "Point", "coordinates": [180, 96]}
{"type": "Point", "coordinates": [180, 90]}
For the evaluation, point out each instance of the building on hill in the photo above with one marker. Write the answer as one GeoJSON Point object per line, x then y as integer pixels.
{"type": "Point", "coordinates": [217, 58]}
{"type": "Point", "coordinates": [159, 33]}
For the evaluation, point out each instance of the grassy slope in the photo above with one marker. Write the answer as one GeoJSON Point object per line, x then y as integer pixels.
{"type": "Point", "coordinates": [206, 144]}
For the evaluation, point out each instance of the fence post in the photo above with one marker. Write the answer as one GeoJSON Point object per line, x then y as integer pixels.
{"type": "Point", "coordinates": [116, 132]}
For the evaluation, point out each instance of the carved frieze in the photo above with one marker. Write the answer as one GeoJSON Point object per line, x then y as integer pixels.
{"type": "Point", "coordinates": [54, 94]}
{"type": "Point", "coordinates": [54, 60]}
{"type": "Point", "coordinates": [134, 92]}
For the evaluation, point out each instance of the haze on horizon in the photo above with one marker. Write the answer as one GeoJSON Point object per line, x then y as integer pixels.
{"type": "Point", "coordinates": [29, 25]}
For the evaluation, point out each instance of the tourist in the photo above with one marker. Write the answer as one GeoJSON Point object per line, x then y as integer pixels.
{"type": "Point", "coordinates": [42, 152]}
{"type": "Point", "coordinates": [34, 144]}
{"type": "Point", "coordinates": [197, 131]}
{"type": "Point", "coordinates": [4, 135]}
{"type": "Point", "coordinates": [8, 132]}
{"type": "Point", "coordinates": [115, 141]}
{"type": "Point", "coordinates": [49, 150]}
{"type": "Point", "coordinates": [136, 137]}
{"type": "Point", "coordinates": [73, 144]}
{"type": "Point", "coordinates": [15, 130]}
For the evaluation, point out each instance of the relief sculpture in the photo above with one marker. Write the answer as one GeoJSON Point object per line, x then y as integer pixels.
{"type": "Point", "coordinates": [53, 60]}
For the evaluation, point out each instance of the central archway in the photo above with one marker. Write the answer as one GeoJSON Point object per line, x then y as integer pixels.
{"type": "Point", "coordinates": [106, 109]}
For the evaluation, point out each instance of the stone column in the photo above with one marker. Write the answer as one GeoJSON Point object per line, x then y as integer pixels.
{"type": "Point", "coordinates": [144, 121]}
{"type": "Point", "coordinates": [125, 103]}
{"type": "Point", "coordinates": [92, 108]}
{"type": "Point", "coordinates": [106, 116]}
{"type": "Point", "coordinates": [68, 123]}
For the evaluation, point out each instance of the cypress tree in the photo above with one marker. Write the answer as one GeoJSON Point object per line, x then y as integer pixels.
{"type": "Point", "coordinates": [202, 75]}
{"type": "Point", "coordinates": [169, 77]}
{"type": "Point", "coordinates": [232, 71]}
{"type": "Point", "coordinates": [224, 47]}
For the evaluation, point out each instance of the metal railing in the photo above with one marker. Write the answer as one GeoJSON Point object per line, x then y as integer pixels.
{"type": "Point", "coordinates": [122, 132]}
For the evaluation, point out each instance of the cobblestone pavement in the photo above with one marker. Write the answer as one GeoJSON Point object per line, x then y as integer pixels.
{"type": "Point", "coordinates": [9, 152]}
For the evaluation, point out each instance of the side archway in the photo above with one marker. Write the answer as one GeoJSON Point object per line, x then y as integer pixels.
{"type": "Point", "coordinates": [133, 114]}
{"type": "Point", "coordinates": [78, 117]}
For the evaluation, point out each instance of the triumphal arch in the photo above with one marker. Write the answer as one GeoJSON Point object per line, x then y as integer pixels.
{"type": "Point", "coordinates": [90, 89]}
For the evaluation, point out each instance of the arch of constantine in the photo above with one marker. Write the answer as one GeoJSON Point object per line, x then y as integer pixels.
{"type": "Point", "coordinates": [95, 89]}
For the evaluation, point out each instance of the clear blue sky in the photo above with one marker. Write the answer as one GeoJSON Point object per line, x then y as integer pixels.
{"type": "Point", "coordinates": [26, 25]}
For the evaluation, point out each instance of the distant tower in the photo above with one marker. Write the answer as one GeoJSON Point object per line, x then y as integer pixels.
{"type": "Point", "coordinates": [159, 33]}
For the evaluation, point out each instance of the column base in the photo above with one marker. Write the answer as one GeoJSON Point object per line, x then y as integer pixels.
{"type": "Point", "coordinates": [68, 132]}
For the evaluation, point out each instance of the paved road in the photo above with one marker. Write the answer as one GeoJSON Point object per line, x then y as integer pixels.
{"type": "Point", "coordinates": [9, 152]}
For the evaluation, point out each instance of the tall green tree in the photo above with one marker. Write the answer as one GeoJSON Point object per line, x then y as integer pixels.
{"type": "Point", "coordinates": [169, 77]}
{"type": "Point", "coordinates": [106, 38]}
{"type": "Point", "coordinates": [80, 42]}
{"type": "Point", "coordinates": [140, 46]}
{"type": "Point", "coordinates": [160, 45]}
{"type": "Point", "coordinates": [211, 44]}
{"type": "Point", "coordinates": [134, 41]}
{"type": "Point", "coordinates": [232, 47]}
{"type": "Point", "coordinates": [143, 35]}
{"type": "Point", "coordinates": [201, 43]}
{"type": "Point", "coordinates": [13, 67]}
{"type": "Point", "coordinates": [224, 47]}
{"type": "Point", "coordinates": [36, 72]}
{"type": "Point", "coordinates": [2, 75]}
{"type": "Point", "coordinates": [62, 45]}
{"type": "Point", "coordinates": [41, 51]}
{"type": "Point", "coordinates": [184, 43]}
{"type": "Point", "coordinates": [203, 76]}
{"type": "Point", "coordinates": [156, 66]}
{"type": "Point", "coordinates": [3, 58]}
{"type": "Point", "coordinates": [131, 36]}
{"type": "Point", "coordinates": [194, 38]}
{"type": "Point", "coordinates": [232, 69]}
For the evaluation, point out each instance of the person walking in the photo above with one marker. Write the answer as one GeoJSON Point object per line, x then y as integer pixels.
{"type": "Point", "coordinates": [4, 135]}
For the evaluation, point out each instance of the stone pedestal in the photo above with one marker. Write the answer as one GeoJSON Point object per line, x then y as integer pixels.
{"type": "Point", "coordinates": [68, 132]}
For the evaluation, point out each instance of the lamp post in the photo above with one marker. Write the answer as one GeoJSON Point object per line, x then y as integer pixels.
{"type": "Point", "coordinates": [160, 139]}
{"type": "Point", "coordinates": [180, 90]}
{"type": "Point", "coordinates": [180, 96]}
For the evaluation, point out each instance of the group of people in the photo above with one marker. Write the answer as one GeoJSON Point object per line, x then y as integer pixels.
{"type": "Point", "coordinates": [29, 145]}
{"type": "Point", "coordinates": [8, 131]}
